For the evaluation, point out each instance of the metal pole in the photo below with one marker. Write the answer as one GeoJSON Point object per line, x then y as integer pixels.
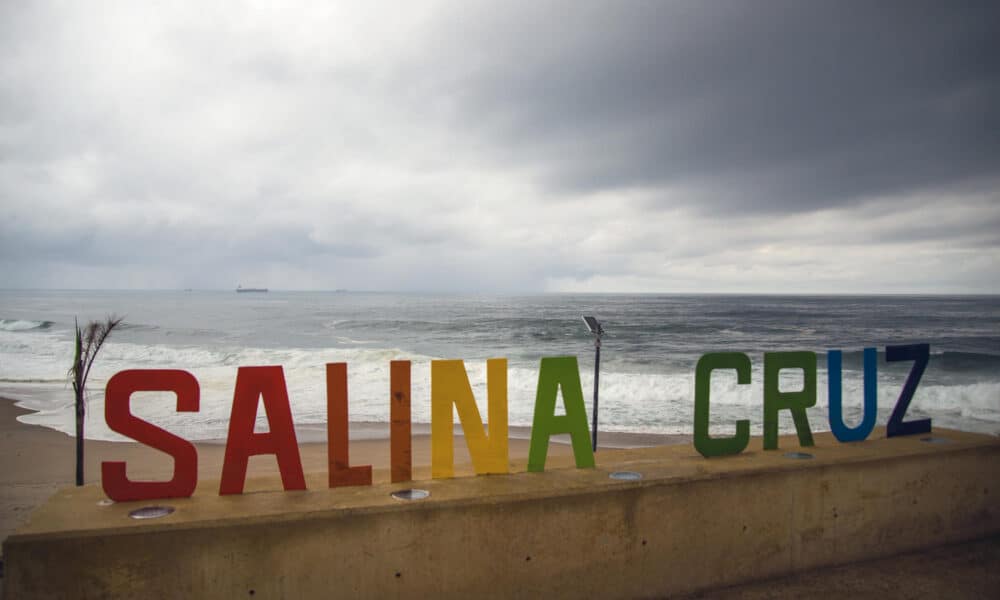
{"type": "Point", "coordinates": [597, 372]}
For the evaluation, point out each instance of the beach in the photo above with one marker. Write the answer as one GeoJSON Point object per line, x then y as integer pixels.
{"type": "Point", "coordinates": [35, 462]}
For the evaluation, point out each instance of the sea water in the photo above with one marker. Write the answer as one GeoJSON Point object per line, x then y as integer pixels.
{"type": "Point", "coordinates": [647, 364]}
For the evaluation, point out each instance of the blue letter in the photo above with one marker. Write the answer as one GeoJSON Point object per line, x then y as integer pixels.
{"type": "Point", "coordinates": [840, 431]}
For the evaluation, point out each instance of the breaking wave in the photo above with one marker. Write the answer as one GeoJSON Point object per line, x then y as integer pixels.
{"type": "Point", "coordinates": [23, 325]}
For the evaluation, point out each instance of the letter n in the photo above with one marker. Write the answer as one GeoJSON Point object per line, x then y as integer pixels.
{"type": "Point", "coordinates": [450, 386]}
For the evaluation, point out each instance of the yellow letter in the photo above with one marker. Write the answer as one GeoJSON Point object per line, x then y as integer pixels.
{"type": "Point", "coordinates": [450, 385]}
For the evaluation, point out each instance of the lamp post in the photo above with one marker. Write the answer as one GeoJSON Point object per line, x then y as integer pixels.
{"type": "Point", "coordinates": [595, 328]}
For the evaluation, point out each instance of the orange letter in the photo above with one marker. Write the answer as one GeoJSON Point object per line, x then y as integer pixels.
{"type": "Point", "coordinates": [399, 416]}
{"type": "Point", "coordinates": [341, 472]}
{"type": "Point", "coordinates": [253, 383]}
{"type": "Point", "coordinates": [119, 417]}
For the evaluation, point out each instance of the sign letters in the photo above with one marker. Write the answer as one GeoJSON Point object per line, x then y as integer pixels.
{"type": "Point", "coordinates": [264, 388]}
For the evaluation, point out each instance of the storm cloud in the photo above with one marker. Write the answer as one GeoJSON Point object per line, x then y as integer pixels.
{"type": "Point", "coordinates": [511, 147]}
{"type": "Point", "coordinates": [767, 105]}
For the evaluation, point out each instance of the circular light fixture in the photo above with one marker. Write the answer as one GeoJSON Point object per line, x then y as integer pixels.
{"type": "Point", "coordinates": [798, 455]}
{"type": "Point", "coordinates": [411, 494]}
{"type": "Point", "coordinates": [105, 502]}
{"type": "Point", "coordinates": [151, 512]}
{"type": "Point", "coordinates": [625, 476]}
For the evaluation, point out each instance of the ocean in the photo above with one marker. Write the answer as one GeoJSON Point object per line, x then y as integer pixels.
{"type": "Point", "coordinates": [647, 365]}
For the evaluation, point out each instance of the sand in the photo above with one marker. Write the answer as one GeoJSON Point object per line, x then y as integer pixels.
{"type": "Point", "coordinates": [36, 461]}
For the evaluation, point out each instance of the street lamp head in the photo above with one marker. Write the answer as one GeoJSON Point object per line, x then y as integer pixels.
{"type": "Point", "coordinates": [594, 327]}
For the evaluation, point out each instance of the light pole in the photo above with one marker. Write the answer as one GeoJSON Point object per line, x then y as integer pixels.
{"type": "Point", "coordinates": [595, 328]}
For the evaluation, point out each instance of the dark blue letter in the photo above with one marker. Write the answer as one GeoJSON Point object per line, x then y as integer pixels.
{"type": "Point", "coordinates": [919, 354]}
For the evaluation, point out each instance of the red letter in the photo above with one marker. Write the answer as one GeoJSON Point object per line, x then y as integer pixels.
{"type": "Point", "coordinates": [119, 417]}
{"type": "Point", "coordinates": [252, 383]}
{"type": "Point", "coordinates": [340, 473]}
{"type": "Point", "coordinates": [399, 416]}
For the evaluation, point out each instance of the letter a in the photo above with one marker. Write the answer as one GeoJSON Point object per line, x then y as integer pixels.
{"type": "Point", "coordinates": [553, 374]}
{"type": "Point", "coordinates": [252, 385]}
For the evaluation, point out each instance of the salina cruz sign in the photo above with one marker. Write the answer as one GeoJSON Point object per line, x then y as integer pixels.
{"type": "Point", "coordinates": [256, 386]}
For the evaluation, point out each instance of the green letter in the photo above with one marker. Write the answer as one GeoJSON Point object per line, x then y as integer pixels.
{"type": "Point", "coordinates": [703, 442]}
{"type": "Point", "coordinates": [554, 373]}
{"type": "Point", "coordinates": [796, 402]}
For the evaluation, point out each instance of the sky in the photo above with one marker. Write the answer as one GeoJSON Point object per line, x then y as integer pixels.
{"type": "Point", "coordinates": [502, 147]}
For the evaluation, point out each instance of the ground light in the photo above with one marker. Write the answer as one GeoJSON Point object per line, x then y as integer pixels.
{"type": "Point", "coordinates": [151, 512]}
{"type": "Point", "coordinates": [798, 455]}
{"type": "Point", "coordinates": [595, 328]}
{"type": "Point", "coordinates": [411, 494]}
{"type": "Point", "coordinates": [625, 476]}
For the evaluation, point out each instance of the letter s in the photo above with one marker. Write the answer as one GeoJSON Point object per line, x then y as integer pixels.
{"type": "Point", "coordinates": [119, 417]}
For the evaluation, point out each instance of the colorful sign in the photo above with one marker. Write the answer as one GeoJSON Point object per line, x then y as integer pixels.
{"type": "Point", "coordinates": [265, 386]}
{"type": "Point", "coordinates": [798, 401]}
{"type": "Point", "coordinates": [256, 386]}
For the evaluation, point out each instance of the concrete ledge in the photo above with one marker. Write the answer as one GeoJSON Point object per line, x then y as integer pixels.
{"type": "Point", "coordinates": [691, 523]}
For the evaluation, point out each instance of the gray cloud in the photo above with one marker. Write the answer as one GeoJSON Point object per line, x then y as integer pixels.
{"type": "Point", "coordinates": [683, 146]}
{"type": "Point", "coordinates": [759, 106]}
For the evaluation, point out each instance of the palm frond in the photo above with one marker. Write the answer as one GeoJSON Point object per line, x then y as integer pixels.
{"type": "Point", "coordinates": [97, 334]}
{"type": "Point", "coordinates": [74, 372]}
{"type": "Point", "coordinates": [89, 340]}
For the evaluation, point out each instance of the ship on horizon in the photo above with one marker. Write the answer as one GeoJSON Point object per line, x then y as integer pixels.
{"type": "Point", "coordinates": [241, 289]}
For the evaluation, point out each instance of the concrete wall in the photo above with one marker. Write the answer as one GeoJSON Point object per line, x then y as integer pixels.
{"type": "Point", "coordinates": [691, 523]}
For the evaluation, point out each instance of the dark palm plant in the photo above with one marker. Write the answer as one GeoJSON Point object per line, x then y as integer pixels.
{"type": "Point", "coordinates": [89, 340]}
